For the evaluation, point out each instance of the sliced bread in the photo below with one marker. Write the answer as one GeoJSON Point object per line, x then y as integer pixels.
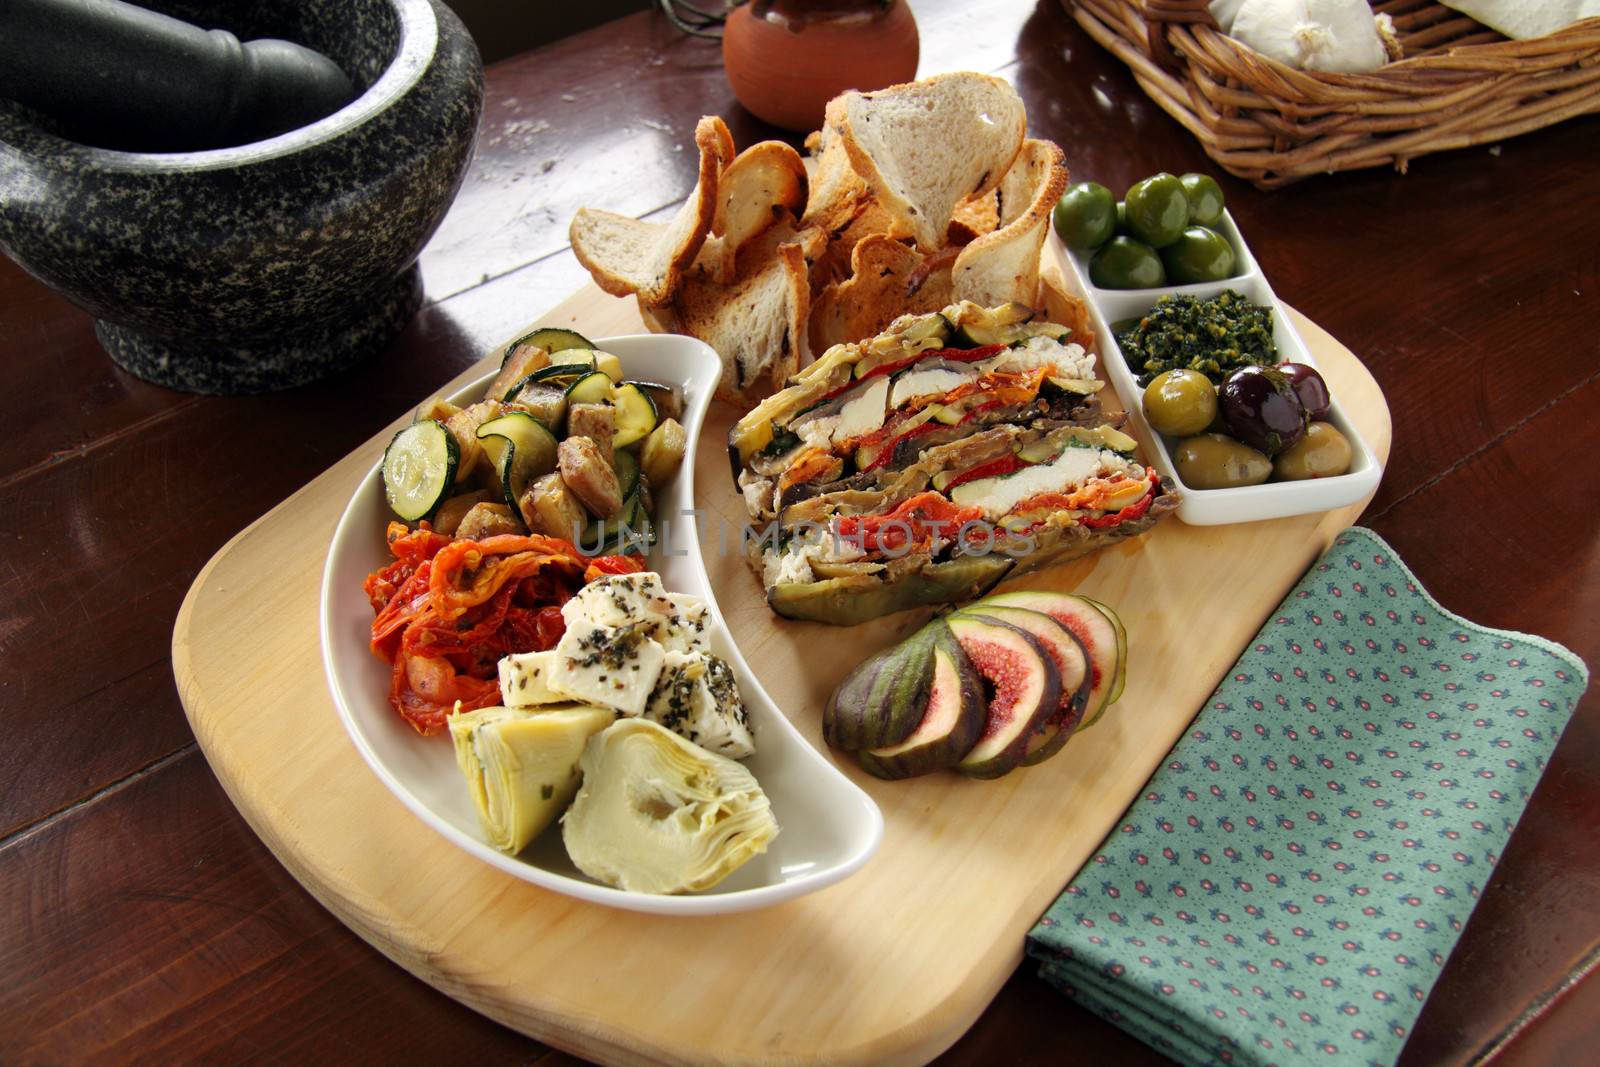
{"type": "Point", "coordinates": [1003, 266]}
{"type": "Point", "coordinates": [629, 256]}
{"type": "Point", "coordinates": [926, 146]}
{"type": "Point", "coordinates": [763, 185]}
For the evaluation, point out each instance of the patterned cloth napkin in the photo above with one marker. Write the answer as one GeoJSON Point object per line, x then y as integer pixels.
{"type": "Point", "coordinates": [1291, 881]}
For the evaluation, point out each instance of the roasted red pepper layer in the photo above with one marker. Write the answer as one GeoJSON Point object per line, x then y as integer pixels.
{"type": "Point", "coordinates": [915, 522]}
{"type": "Point", "coordinates": [928, 514]}
{"type": "Point", "coordinates": [448, 610]}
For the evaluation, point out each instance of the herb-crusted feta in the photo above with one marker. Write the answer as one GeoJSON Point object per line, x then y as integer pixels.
{"type": "Point", "coordinates": [697, 698]}
{"type": "Point", "coordinates": [633, 647]}
{"type": "Point", "coordinates": [525, 680]}
{"type": "Point", "coordinates": [688, 628]}
{"type": "Point", "coordinates": [616, 666]}
{"type": "Point", "coordinates": [620, 600]}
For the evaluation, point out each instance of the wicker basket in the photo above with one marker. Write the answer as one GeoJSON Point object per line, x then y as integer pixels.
{"type": "Point", "coordinates": [1459, 84]}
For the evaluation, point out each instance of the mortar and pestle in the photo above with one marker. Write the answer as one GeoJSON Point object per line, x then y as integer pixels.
{"type": "Point", "coordinates": [238, 217]}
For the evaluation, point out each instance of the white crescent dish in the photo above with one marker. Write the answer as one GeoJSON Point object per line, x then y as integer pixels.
{"type": "Point", "coordinates": [828, 826]}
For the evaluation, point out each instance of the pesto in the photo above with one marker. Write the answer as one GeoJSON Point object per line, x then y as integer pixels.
{"type": "Point", "coordinates": [1212, 336]}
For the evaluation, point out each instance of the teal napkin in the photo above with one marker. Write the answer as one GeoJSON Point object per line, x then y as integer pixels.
{"type": "Point", "coordinates": [1288, 887]}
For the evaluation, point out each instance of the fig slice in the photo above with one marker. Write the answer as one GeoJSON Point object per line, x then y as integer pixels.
{"type": "Point", "coordinates": [1023, 691]}
{"type": "Point", "coordinates": [1072, 664]}
{"type": "Point", "coordinates": [952, 720]}
{"type": "Point", "coordinates": [882, 701]}
{"type": "Point", "coordinates": [1096, 628]}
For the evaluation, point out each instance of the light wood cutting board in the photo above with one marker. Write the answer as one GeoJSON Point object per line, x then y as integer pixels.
{"type": "Point", "coordinates": [890, 966]}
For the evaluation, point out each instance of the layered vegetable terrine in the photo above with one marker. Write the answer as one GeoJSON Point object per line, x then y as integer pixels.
{"type": "Point", "coordinates": [926, 463]}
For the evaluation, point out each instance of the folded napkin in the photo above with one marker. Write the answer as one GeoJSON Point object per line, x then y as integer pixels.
{"type": "Point", "coordinates": [1288, 887]}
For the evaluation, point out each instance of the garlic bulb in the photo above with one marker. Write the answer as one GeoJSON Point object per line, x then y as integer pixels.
{"type": "Point", "coordinates": [1520, 20]}
{"type": "Point", "coordinates": [1338, 36]}
{"type": "Point", "coordinates": [1224, 11]}
{"type": "Point", "coordinates": [659, 814]}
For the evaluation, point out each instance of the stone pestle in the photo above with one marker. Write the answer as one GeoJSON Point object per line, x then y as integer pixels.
{"type": "Point", "coordinates": [113, 75]}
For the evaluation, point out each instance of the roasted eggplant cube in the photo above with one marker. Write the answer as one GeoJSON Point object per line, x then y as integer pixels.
{"type": "Point", "coordinates": [488, 520]}
{"type": "Point", "coordinates": [597, 422]}
{"type": "Point", "coordinates": [590, 476]}
{"type": "Point", "coordinates": [548, 507]}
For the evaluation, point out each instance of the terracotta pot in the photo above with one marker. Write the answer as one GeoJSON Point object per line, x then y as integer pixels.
{"type": "Point", "coordinates": [787, 58]}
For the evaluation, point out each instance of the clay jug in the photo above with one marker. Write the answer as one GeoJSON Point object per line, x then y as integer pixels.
{"type": "Point", "coordinates": [787, 58]}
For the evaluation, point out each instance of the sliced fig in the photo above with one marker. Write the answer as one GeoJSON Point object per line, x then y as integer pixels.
{"type": "Point", "coordinates": [881, 702]}
{"type": "Point", "coordinates": [952, 719]}
{"type": "Point", "coordinates": [1095, 630]}
{"type": "Point", "coordinates": [1072, 664]}
{"type": "Point", "coordinates": [1122, 651]}
{"type": "Point", "coordinates": [1021, 685]}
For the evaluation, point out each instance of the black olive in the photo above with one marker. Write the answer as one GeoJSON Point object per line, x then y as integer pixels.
{"type": "Point", "coordinates": [1262, 409]}
{"type": "Point", "coordinates": [1309, 387]}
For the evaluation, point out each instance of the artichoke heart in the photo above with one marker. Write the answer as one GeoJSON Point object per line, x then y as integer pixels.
{"type": "Point", "coordinates": [521, 765]}
{"type": "Point", "coordinates": [659, 814]}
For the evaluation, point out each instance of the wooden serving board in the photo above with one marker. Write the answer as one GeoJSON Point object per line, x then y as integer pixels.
{"type": "Point", "coordinates": [890, 966]}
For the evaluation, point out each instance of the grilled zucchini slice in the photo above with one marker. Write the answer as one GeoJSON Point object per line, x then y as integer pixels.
{"type": "Point", "coordinates": [419, 469]}
{"type": "Point", "coordinates": [630, 531]}
{"type": "Point", "coordinates": [522, 449]}
{"type": "Point", "coordinates": [627, 468]}
{"type": "Point", "coordinates": [577, 364]}
{"type": "Point", "coordinates": [592, 388]}
{"type": "Point", "coordinates": [551, 340]}
{"type": "Point", "coordinates": [636, 414]}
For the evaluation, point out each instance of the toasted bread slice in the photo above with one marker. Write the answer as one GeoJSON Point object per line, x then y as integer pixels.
{"type": "Point", "coordinates": [757, 324]}
{"type": "Point", "coordinates": [926, 146]}
{"type": "Point", "coordinates": [626, 255]}
{"type": "Point", "coordinates": [889, 279]}
{"type": "Point", "coordinates": [833, 264]}
{"type": "Point", "coordinates": [974, 217]}
{"type": "Point", "coordinates": [836, 189]}
{"type": "Point", "coordinates": [1003, 266]}
{"type": "Point", "coordinates": [764, 184]}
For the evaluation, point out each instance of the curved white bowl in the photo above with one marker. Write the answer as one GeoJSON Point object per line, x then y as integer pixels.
{"type": "Point", "coordinates": [828, 827]}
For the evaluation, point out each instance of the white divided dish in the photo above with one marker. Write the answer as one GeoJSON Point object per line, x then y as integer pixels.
{"type": "Point", "coordinates": [828, 827]}
{"type": "Point", "coordinates": [1214, 507]}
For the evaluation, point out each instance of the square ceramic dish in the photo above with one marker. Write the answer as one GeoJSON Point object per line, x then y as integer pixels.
{"type": "Point", "coordinates": [828, 827]}
{"type": "Point", "coordinates": [1214, 507]}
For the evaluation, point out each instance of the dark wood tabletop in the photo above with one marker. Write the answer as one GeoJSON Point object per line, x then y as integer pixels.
{"type": "Point", "coordinates": [141, 920]}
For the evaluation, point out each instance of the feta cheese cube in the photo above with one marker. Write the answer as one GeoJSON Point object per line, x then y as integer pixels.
{"type": "Point", "coordinates": [615, 666]}
{"type": "Point", "coordinates": [688, 627]}
{"type": "Point", "coordinates": [698, 698]}
{"type": "Point", "coordinates": [525, 680]}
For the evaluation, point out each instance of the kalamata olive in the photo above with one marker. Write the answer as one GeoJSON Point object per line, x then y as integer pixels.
{"type": "Point", "coordinates": [1217, 461]}
{"type": "Point", "coordinates": [1262, 409]}
{"type": "Point", "coordinates": [1309, 387]}
{"type": "Point", "coordinates": [1180, 402]}
{"type": "Point", "coordinates": [1322, 453]}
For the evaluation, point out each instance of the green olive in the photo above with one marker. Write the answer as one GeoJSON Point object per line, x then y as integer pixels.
{"type": "Point", "coordinates": [1216, 461]}
{"type": "Point", "coordinates": [1200, 255]}
{"type": "Point", "coordinates": [1123, 263]}
{"type": "Point", "coordinates": [1322, 453]}
{"type": "Point", "coordinates": [1180, 403]}
{"type": "Point", "coordinates": [1158, 210]}
{"type": "Point", "coordinates": [1205, 198]}
{"type": "Point", "coordinates": [1086, 216]}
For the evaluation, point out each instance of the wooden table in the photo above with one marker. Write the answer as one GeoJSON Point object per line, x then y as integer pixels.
{"type": "Point", "coordinates": [141, 920]}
